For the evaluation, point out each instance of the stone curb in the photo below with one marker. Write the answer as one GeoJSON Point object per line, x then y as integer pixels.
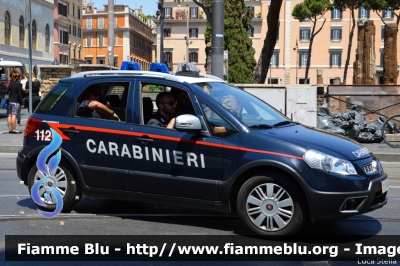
{"type": "Point", "coordinates": [10, 149]}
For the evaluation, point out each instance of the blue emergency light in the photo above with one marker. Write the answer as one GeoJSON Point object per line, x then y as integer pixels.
{"type": "Point", "coordinates": [159, 67]}
{"type": "Point", "coordinates": [129, 65]}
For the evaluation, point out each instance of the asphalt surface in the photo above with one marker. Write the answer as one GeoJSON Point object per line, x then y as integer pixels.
{"type": "Point", "coordinates": [11, 143]}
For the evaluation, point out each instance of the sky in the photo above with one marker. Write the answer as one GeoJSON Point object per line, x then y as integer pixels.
{"type": "Point", "coordinates": [149, 7]}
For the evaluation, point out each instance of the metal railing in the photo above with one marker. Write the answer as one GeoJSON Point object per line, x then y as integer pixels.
{"type": "Point", "coordinates": [356, 94]}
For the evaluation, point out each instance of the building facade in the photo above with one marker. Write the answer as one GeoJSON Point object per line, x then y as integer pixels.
{"type": "Point", "coordinates": [14, 44]}
{"type": "Point", "coordinates": [132, 33]}
{"type": "Point", "coordinates": [61, 32]}
{"type": "Point", "coordinates": [288, 63]}
{"type": "Point", "coordinates": [75, 31]}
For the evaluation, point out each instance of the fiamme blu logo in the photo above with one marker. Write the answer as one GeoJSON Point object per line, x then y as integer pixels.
{"type": "Point", "coordinates": [43, 190]}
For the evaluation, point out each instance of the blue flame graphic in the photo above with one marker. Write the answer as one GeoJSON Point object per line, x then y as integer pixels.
{"type": "Point", "coordinates": [46, 170]}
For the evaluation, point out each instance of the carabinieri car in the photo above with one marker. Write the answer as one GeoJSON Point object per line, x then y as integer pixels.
{"type": "Point", "coordinates": [273, 172]}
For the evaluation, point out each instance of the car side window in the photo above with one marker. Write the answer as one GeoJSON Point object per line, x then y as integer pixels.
{"type": "Point", "coordinates": [109, 98]}
{"type": "Point", "coordinates": [218, 126]}
{"type": "Point", "coordinates": [149, 95]}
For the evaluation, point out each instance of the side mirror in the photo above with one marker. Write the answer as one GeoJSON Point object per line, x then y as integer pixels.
{"type": "Point", "coordinates": [188, 123]}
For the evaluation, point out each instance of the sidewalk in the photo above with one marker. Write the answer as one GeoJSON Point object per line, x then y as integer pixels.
{"type": "Point", "coordinates": [11, 143]}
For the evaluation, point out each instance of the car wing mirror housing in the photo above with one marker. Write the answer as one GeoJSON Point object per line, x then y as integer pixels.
{"type": "Point", "coordinates": [188, 123]}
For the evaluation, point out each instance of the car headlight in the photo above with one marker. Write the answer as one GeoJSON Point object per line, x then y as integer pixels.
{"type": "Point", "coordinates": [319, 160]}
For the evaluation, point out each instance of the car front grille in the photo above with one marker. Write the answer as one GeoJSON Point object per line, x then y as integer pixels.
{"type": "Point", "coordinates": [373, 167]}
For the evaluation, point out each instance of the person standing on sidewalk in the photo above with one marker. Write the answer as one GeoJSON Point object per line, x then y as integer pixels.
{"type": "Point", "coordinates": [23, 82]}
{"type": "Point", "coordinates": [14, 91]}
{"type": "Point", "coordinates": [35, 92]}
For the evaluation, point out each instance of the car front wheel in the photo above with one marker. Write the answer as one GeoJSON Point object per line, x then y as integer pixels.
{"type": "Point", "coordinates": [271, 205]}
{"type": "Point", "coordinates": [62, 180]}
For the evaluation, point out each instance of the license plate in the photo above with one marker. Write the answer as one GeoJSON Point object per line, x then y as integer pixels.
{"type": "Point", "coordinates": [385, 185]}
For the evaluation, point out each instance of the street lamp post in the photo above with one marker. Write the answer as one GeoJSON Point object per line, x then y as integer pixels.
{"type": "Point", "coordinates": [297, 60]}
{"type": "Point", "coordinates": [160, 13]}
{"type": "Point", "coordinates": [187, 33]}
{"type": "Point", "coordinates": [270, 72]}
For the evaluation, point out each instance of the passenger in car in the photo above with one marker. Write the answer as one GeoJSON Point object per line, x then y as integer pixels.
{"type": "Point", "coordinates": [184, 105]}
{"type": "Point", "coordinates": [165, 115]}
{"type": "Point", "coordinates": [231, 103]}
{"type": "Point", "coordinates": [93, 105]}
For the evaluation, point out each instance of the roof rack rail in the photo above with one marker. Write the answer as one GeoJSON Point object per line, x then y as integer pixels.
{"type": "Point", "coordinates": [126, 73]}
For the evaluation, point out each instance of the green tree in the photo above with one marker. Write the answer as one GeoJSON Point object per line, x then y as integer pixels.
{"type": "Point", "coordinates": [239, 45]}
{"type": "Point", "coordinates": [261, 70]}
{"type": "Point", "coordinates": [388, 5]}
{"type": "Point", "coordinates": [351, 5]}
{"type": "Point", "coordinates": [237, 21]}
{"type": "Point", "coordinates": [313, 10]}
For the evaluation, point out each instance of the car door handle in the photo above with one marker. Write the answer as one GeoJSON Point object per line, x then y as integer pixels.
{"type": "Point", "coordinates": [70, 131]}
{"type": "Point", "coordinates": [144, 141]}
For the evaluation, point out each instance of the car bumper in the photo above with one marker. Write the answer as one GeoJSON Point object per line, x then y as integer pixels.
{"type": "Point", "coordinates": [340, 205]}
{"type": "Point", "coordinates": [21, 158]}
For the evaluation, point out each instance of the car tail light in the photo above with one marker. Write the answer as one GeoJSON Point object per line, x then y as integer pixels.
{"type": "Point", "coordinates": [31, 126]}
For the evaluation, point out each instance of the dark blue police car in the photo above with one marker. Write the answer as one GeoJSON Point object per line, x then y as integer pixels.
{"type": "Point", "coordinates": [231, 152]}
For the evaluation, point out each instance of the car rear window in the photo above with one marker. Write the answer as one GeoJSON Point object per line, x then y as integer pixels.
{"type": "Point", "coordinates": [53, 98]}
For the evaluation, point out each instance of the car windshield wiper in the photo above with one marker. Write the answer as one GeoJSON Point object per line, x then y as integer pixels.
{"type": "Point", "coordinates": [261, 126]}
{"type": "Point", "coordinates": [283, 123]}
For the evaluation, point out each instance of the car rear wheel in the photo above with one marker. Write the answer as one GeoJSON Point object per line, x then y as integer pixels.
{"type": "Point", "coordinates": [271, 205]}
{"type": "Point", "coordinates": [62, 180]}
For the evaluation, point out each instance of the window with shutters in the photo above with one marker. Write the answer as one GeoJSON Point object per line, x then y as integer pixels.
{"type": "Point", "coordinates": [63, 37]}
{"type": "Point", "coordinates": [62, 9]}
{"type": "Point", "coordinates": [21, 32]}
{"type": "Point", "coordinates": [363, 13]}
{"type": "Point", "coordinates": [7, 28]}
{"type": "Point", "coordinates": [252, 9]}
{"type": "Point", "coordinates": [194, 57]}
{"type": "Point", "coordinates": [101, 23]}
{"type": "Point", "coordinates": [168, 60]}
{"type": "Point", "coordinates": [250, 32]}
{"type": "Point", "coordinates": [89, 41]}
{"type": "Point", "coordinates": [193, 33]}
{"type": "Point", "coordinates": [101, 60]}
{"type": "Point", "coordinates": [336, 33]}
{"type": "Point", "coordinates": [74, 30]}
{"type": "Point", "coordinates": [336, 58]}
{"type": "Point", "coordinates": [101, 40]}
{"type": "Point", "coordinates": [303, 58]}
{"type": "Point", "coordinates": [34, 35]}
{"type": "Point", "coordinates": [382, 54]}
{"type": "Point", "coordinates": [387, 14]}
{"type": "Point", "coordinates": [79, 13]}
{"type": "Point", "coordinates": [168, 12]}
{"type": "Point", "coordinates": [336, 13]}
{"type": "Point", "coordinates": [47, 38]}
{"type": "Point", "coordinates": [304, 34]}
{"type": "Point", "coordinates": [167, 32]}
{"type": "Point", "coordinates": [194, 13]}
{"type": "Point", "coordinates": [383, 32]}
{"type": "Point", "coordinates": [89, 23]}
{"type": "Point", "coordinates": [275, 58]}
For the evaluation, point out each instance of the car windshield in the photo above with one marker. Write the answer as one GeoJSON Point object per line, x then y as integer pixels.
{"type": "Point", "coordinates": [247, 108]}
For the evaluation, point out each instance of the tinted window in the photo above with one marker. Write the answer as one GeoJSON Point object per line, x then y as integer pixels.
{"type": "Point", "coordinates": [53, 98]}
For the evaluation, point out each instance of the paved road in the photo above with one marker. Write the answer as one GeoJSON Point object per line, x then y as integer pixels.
{"type": "Point", "coordinates": [18, 215]}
